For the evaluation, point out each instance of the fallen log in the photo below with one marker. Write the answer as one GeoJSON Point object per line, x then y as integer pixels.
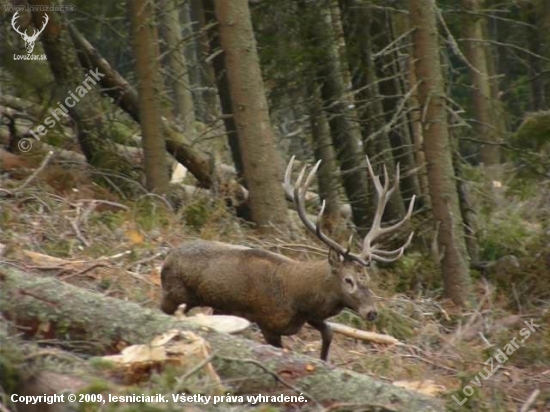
{"type": "Point", "coordinates": [38, 379]}
{"type": "Point", "coordinates": [46, 308]}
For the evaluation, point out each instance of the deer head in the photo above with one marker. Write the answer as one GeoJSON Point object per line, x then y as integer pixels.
{"type": "Point", "coordinates": [29, 40]}
{"type": "Point", "coordinates": [349, 268]}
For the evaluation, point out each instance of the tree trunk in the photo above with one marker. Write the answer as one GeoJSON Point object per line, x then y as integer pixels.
{"type": "Point", "coordinates": [209, 108]}
{"type": "Point", "coordinates": [468, 214]}
{"type": "Point", "coordinates": [177, 73]}
{"type": "Point", "coordinates": [357, 19]}
{"type": "Point", "coordinates": [86, 107]}
{"type": "Point", "coordinates": [418, 138]}
{"type": "Point", "coordinates": [392, 88]}
{"type": "Point", "coordinates": [126, 97]}
{"type": "Point", "coordinates": [323, 150]}
{"type": "Point", "coordinates": [73, 314]}
{"type": "Point", "coordinates": [259, 155]}
{"type": "Point", "coordinates": [345, 132]}
{"type": "Point", "coordinates": [437, 147]}
{"type": "Point", "coordinates": [145, 42]}
{"type": "Point", "coordinates": [222, 83]}
{"type": "Point", "coordinates": [484, 124]}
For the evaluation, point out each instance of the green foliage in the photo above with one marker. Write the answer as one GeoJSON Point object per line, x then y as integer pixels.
{"type": "Point", "coordinates": [501, 237]}
{"type": "Point", "coordinates": [112, 220]}
{"type": "Point", "coordinates": [532, 145]}
{"type": "Point", "coordinates": [56, 246]}
{"type": "Point", "coordinates": [202, 212]}
{"type": "Point", "coordinates": [534, 133]}
{"type": "Point", "coordinates": [151, 212]}
{"type": "Point", "coordinates": [121, 132]}
{"type": "Point", "coordinates": [9, 373]}
{"type": "Point", "coordinates": [196, 214]}
{"type": "Point", "coordinates": [415, 272]}
{"type": "Point", "coordinates": [395, 324]}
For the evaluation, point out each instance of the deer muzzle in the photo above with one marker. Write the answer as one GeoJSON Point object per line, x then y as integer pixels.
{"type": "Point", "coordinates": [369, 313]}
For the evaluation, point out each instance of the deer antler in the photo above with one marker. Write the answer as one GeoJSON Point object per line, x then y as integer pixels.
{"type": "Point", "coordinates": [36, 33]}
{"type": "Point", "coordinates": [297, 194]}
{"type": "Point", "coordinates": [24, 34]}
{"type": "Point", "coordinates": [369, 251]}
{"type": "Point", "coordinates": [13, 20]}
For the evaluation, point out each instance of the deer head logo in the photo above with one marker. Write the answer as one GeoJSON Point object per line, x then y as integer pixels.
{"type": "Point", "coordinates": [29, 40]}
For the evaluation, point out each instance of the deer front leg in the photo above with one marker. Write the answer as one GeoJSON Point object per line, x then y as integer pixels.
{"type": "Point", "coordinates": [326, 336]}
{"type": "Point", "coordinates": [273, 339]}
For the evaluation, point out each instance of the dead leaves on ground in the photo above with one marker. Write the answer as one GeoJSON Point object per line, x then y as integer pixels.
{"type": "Point", "coordinates": [176, 348]}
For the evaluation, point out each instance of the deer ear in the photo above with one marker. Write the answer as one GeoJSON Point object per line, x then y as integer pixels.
{"type": "Point", "coordinates": [334, 258]}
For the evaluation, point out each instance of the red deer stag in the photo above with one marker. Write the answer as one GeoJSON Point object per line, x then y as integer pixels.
{"type": "Point", "coordinates": [278, 293]}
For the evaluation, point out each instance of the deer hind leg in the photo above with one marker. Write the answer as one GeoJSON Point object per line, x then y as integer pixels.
{"type": "Point", "coordinates": [326, 336]}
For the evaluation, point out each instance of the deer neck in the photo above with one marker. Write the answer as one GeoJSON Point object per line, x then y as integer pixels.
{"type": "Point", "coordinates": [316, 289]}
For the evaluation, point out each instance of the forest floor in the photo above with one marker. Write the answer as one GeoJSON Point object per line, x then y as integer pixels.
{"type": "Point", "coordinates": [63, 226]}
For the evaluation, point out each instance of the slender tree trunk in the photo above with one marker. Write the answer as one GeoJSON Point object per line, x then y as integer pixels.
{"type": "Point", "coordinates": [499, 115]}
{"type": "Point", "coordinates": [408, 81]}
{"type": "Point", "coordinates": [418, 138]}
{"type": "Point", "coordinates": [484, 124]}
{"type": "Point", "coordinates": [357, 19]}
{"type": "Point", "coordinates": [392, 87]}
{"type": "Point", "coordinates": [209, 107]}
{"type": "Point", "coordinates": [344, 129]}
{"type": "Point", "coordinates": [544, 24]}
{"type": "Point", "coordinates": [468, 214]}
{"type": "Point", "coordinates": [125, 95]}
{"type": "Point", "coordinates": [259, 155]}
{"type": "Point", "coordinates": [224, 92]}
{"type": "Point", "coordinates": [177, 73]}
{"type": "Point", "coordinates": [145, 41]}
{"type": "Point", "coordinates": [323, 150]}
{"type": "Point", "coordinates": [437, 147]}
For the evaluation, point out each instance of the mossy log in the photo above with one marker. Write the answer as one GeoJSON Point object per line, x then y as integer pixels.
{"type": "Point", "coordinates": [30, 370]}
{"type": "Point", "coordinates": [75, 314]}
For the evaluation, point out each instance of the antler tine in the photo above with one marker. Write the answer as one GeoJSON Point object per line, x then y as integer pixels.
{"type": "Point", "coordinates": [297, 194]}
{"type": "Point", "coordinates": [286, 183]}
{"type": "Point", "coordinates": [397, 225]}
{"type": "Point", "coordinates": [370, 252]}
{"type": "Point", "coordinates": [13, 20]}
{"type": "Point", "coordinates": [391, 255]}
{"type": "Point", "coordinates": [37, 32]}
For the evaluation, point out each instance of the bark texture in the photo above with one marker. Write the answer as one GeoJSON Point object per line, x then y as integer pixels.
{"type": "Point", "coordinates": [339, 108]}
{"type": "Point", "coordinates": [323, 150]}
{"type": "Point", "coordinates": [437, 147]}
{"type": "Point", "coordinates": [390, 71]}
{"type": "Point", "coordinates": [125, 95]}
{"type": "Point", "coordinates": [484, 124]}
{"type": "Point", "coordinates": [220, 75]}
{"type": "Point", "coordinates": [145, 44]}
{"type": "Point", "coordinates": [177, 73]}
{"type": "Point", "coordinates": [357, 24]}
{"type": "Point", "coordinates": [250, 110]}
